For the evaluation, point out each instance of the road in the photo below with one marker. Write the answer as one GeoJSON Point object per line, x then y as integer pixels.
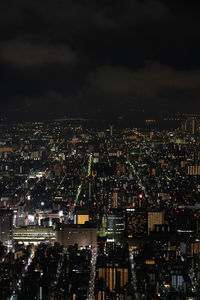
{"type": "Point", "coordinates": [72, 208]}
{"type": "Point", "coordinates": [138, 178]}
{"type": "Point", "coordinates": [92, 276]}
{"type": "Point", "coordinates": [134, 278]}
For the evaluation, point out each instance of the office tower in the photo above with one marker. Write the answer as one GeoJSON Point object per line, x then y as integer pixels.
{"type": "Point", "coordinates": [136, 223]}
{"type": "Point", "coordinates": [155, 218]}
{"type": "Point", "coordinates": [115, 197]}
{"type": "Point", "coordinates": [193, 170]}
{"type": "Point", "coordinates": [191, 123]}
{"type": "Point", "coordinates": [115, 225]}
{"type": "Point", "coordinates": [113, 271]}
{"type": "Point", "coordinates": [114, 275]}
{"type": "Point", "coordinates": [111, 130]}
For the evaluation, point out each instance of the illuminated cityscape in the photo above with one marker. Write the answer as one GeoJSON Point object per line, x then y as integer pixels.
{"type": "Point", "coordinates": [86, 214]}
{"type": "Point", "coordinates": [99, 150]}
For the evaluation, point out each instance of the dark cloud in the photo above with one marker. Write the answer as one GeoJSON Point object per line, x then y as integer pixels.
{"type": "Point", "coordinates": [99, 56]}
{"type": "Point", "coordinates": [143, 12]}
{"type": "Point", "coordinates": [51, 101]}
{"type": "Point", "coordinates": [120, 90]}
{"type": "Point", "coordinates": [22, 53]}
{"type": "Point", "coordinates": [53, 19]}
{"type": "Point", "coordinates": [147, 81]}
{"type": "Point", "coordinates": [154, 87]}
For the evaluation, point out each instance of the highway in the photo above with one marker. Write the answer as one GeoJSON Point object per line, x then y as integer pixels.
{"type": "Point", "coordinates": [80, 188]}
{"type": "Point", "coordinates": [134, 279]}
{"type": "Point", "coordinates": [92, 276]}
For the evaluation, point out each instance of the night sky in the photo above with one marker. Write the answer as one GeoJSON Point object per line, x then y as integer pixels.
{"type": "Point", "coordinates": [99, 58]}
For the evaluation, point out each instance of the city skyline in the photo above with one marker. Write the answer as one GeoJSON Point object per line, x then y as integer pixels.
{"type": "Point", "coordinates": [99, 150]}
{"type": "Point", "coordinates": [99, 213]}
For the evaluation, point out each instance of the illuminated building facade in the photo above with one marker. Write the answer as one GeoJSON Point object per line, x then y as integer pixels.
{"type": "Point", "coordinates": [115, 225]}
{"type": "Point", "coordinates": [155, 218]}
{"type": "Point", "coordinates": [114, 276]}
{"type": "Point", "coordinates": [81, 216]}
{"type": "Point", "coordinates": [33, 234]}
{"type": "Point", "coordinates": [81, 234]}
{"type": "Point", "coordinates": [136, 223]}
{"type": "Point", "coordinates": [113, 272]}
{"type": "Point", "coordinates": [193, 170]}
{"type": "Point", "coordinates": [191, 123]}
{"type": "Point", "coordinates": [115, 197]}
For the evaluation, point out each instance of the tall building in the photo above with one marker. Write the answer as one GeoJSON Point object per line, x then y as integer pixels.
{"type": "Point", "coordinates": [111, 130]}
{"type": "Point", "coordinates": [115, 197]}
{"type": "Point", "coordinates": [155, 218]}
{"type": "Point", "coordinates": [113, 271]}
{"type": "Point", "coordinates": [191, 123]}
{"type": "Point", "coordinates": [114, 276]}
{"type": "Point", "coordinates": [115, 225]}
{"type": "Point", "coordinates": [193, 170]}
{"type": "Point", "coordinates": [136, 223]}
